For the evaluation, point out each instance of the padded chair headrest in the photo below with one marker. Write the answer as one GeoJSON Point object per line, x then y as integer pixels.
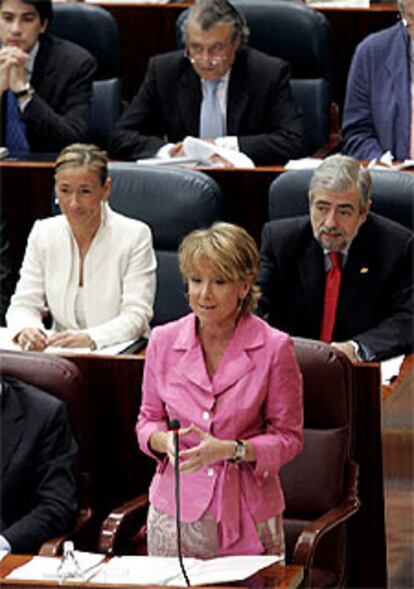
{"type": "Point", "coordinates": [172, 201]}
{"type": "Point", "coordinates": [392, 195]}
{"type": "Point", "coordinates": [93, 28]}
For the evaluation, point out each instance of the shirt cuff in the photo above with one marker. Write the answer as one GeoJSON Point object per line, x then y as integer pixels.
{"type": "Point", "coordinates": [4, 545]}
{"type": "Point", "coordinates": [230, 141]}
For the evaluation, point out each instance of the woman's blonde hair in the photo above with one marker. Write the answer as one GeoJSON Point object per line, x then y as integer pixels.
{"type": "Point", "coordinates": [84, 155]}
{"type": "Point", "coordinates": [229, 250]}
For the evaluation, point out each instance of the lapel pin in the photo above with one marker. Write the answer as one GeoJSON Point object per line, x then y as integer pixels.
{"type": "Point", "coordinates": [364, 270]}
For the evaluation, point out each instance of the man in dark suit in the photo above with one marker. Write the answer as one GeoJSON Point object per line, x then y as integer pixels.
{"type": "Point", "coordinates": [375, 310]}
{"type": "Point", "coordinates": [46, 80]}
{"type": "Point", "coordinates": [38, 491]}
{"type": "Point", "coordinates": [257, 112]}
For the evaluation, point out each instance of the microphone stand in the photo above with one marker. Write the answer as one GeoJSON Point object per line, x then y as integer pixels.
{"type": "Point", "coordinates": [175, 426]}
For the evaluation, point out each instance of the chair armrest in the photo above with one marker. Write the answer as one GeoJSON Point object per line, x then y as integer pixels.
{"type": "Point", "coordinates": [120, 521]}
{"type": "Point", "coordinates": [54, 546]}
{"type": "Point", "coordinates": [308, 540]}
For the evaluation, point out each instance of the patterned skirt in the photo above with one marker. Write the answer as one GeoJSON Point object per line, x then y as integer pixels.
{"type": "Point", "coordinates": [200, 539]}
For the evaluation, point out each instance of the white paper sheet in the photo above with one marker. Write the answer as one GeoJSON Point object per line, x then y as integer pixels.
{"type": "Point", "coordinates": [305, 163]}
{"type": "Point", "coordinates": [198, 152]}
{"type": "Point", "coordinates": [166, 571]}
{"type": "Point", "coordinates": [390, 369]}
{"type": "Point", "coordinates": [45, 567]}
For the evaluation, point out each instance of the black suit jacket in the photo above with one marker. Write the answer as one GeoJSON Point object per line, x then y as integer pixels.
{"type": "Point", "coordinates": [376, 299]}
{"type": "Point", "coordinates": [38, 492]}
{"type": "Point", "coordinates": [260, 110]}
{"type": "Point", "coordinates": [59, 112]}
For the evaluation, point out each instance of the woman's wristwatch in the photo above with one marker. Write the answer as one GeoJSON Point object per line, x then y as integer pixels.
{"type": "Point", "coordinates": [239, 452]}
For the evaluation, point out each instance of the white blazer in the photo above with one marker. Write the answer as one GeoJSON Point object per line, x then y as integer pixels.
{"type": "Point", "coordinates": [118, 279]}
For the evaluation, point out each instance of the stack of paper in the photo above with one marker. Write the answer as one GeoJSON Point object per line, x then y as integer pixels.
{"type": "Point", "coordinates": [146, 570]}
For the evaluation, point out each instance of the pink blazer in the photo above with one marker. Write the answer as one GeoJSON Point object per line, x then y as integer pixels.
{"type": "Point", "coordinates": [255, 394]}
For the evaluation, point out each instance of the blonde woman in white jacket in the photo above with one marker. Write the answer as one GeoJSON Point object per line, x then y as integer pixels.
{"type": "Point", "coordinates": [91, 268]}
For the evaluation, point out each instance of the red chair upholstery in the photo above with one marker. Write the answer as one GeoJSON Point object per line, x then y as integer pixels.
{"type": "Point", "coordinates": [320, 484]}
{"type": "Point", "coordinates": [61, 378]}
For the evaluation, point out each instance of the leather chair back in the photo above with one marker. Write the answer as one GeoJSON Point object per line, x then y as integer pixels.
{"type": "Point", "coordinates": [173, 202]}
{"type": "Point", "coordinates": [302, 37]}
{"type": "Point", "coordinates": [56, 376]}
{"type": "Point", "coordinates": [94, 28]}
{"type": "Point", "coordinates": [316, 480]}
{"type": "Point", "coordinates": [392, 195]}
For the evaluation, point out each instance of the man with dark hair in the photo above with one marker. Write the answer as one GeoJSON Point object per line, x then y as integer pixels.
{"type": "Point", "coordinates": [37, 491]}
{"type": "Point", "coordinates": [342, 274]}
{"type": "Point", "coordinates": [45, 82]}
{"type": "Point", "coordinates": [217, 89]}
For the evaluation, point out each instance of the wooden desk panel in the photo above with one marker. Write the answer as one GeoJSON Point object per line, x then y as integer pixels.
{"type": "Point", "coordinates": [273, 577]}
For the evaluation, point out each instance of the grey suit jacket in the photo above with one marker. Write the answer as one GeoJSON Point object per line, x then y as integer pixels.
{"type": "Point", "coordinates": [38, 491]}
{"type": "Point", "coordinates": [376, 299]}
{"type": "Point", "coordinates": [260, 109]}
{"type": "Point", "coordinates": [59, 112]}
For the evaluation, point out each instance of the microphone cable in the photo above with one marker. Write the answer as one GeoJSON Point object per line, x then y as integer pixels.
{"type": "Point", "coordinates": [175, 426]}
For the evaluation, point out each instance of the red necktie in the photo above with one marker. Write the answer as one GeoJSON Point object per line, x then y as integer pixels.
{"type": "Point", "coordinates": [332, 285]}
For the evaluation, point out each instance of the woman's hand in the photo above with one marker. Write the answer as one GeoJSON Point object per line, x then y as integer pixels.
{"type": "Point", "coordinates": [70, 339]}
{"type": "Point", "coordinates": [33, 339]}
{"type": "Point", "coordinates": [208, 451]}
{"type": "Point", "coordinates": [163, 443]}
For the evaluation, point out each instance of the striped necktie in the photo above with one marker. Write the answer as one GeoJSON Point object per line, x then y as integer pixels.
{"type": "Point", "coordinates": [15, 138]}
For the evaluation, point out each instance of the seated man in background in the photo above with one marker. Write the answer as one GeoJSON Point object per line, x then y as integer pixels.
{"type": "Point", "coordinates": [45, 82]}
{"type": "Point", "coordinates": [378, 111]}
{"type": "Point", "coordinates": [217, 89]}
{"type": "Point", "coordinates": [343, 274]}
{"type": "Point", "coordinates": [5, 270]}
{"type": "Point", "coordinates": [38, 491]}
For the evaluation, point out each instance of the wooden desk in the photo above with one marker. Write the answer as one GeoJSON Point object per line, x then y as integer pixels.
{"type": "Point", "coordinates": [153, 28]}
{"type": "Point", "coordinates": [274, 577]}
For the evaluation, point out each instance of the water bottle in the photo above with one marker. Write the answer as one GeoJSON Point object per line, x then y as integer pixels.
{"type": "Point", "coordinates": [69, 567]}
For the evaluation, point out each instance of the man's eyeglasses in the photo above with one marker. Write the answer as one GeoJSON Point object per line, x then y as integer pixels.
{"type": "Point", "coordinates": [214, 55]}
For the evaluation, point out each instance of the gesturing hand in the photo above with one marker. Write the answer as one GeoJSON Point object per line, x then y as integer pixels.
{"type": "Point", "coordinates": [208, 451]}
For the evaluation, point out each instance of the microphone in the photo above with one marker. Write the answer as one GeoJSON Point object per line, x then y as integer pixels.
{"type": "Point", "coordinates": [174, 426]}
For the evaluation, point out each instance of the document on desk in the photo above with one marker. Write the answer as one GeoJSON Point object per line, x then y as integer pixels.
{"type": "Point", "coordinates": [166, 570]}
{"type": "Point", "coordinates": [198, 151]}
{"type": "Point", "coordinates": [40, 568]}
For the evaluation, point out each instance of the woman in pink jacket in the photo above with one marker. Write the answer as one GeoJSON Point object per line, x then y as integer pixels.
{"type": "Point", "coordinates": [234, 384]}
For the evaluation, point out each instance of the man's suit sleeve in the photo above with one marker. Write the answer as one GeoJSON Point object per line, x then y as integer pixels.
{"type": "Point", "coordinates": [138, 132]}
{"type": "Point", "coordinates": [360, 136]}
{"type": "Point", "coordinates": [267, 274]}
{"type": "Point", "coordinates": [394, 333]}
{"type": "Point", "coordinates": [284, 137]}
{"type": "Point", "coordinates": [55, 499]}
{"type": "Point", "coordinates": [52, 124]}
